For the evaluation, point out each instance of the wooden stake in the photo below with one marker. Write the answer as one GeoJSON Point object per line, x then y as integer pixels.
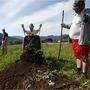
{"type": "Point", "coordinates": [61, 36]}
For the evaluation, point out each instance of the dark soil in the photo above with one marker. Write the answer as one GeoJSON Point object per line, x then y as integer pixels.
{"type": "Point", "coordinates": [26, 75]}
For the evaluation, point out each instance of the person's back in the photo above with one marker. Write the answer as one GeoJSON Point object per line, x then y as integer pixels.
{"type": "Point", "coordinates": [4, 42]}
{"type": "Point", "coordinates": [85, 32]}
{"type": "Point", "coordinates": [5, 36]}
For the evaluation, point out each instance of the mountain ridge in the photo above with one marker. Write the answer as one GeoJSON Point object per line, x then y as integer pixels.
{"type": "Point", "coordinates": [19, 39]}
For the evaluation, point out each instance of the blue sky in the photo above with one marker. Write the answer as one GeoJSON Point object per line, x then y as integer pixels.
{"type": "Point", "coordinates": [48, 12]}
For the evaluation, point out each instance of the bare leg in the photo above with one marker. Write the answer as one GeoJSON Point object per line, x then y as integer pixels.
{"type": "Point", "coordinates": [84, 67]}
{"type": "Point", "coordinates": [79, 63]}
{"type": "Point", "coordinates": [79, 66]}
{"type": "Point", "coordinates": [2, 50]}
{"type": "Point", "coordinates": [5, 47]}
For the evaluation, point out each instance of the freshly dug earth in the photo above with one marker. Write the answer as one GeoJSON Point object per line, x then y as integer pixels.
{"type": "Point", "coordinates": [26, 75]}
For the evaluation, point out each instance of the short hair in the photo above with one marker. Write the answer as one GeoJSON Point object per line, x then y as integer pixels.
{"type": "Point", "coordinates": [3, 29]}
{"type": "Point", "coordinates": [80, 4]}
{"type": "Point", "coordinates": [31, 25]}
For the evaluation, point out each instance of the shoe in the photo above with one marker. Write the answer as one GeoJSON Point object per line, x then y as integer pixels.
{"type": "Point", "coordinates": [77, 71]}
{"type": "Point", "coordinates": [84, 76]}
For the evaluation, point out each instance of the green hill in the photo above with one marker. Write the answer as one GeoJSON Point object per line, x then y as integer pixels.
{"type": "Point", "coordinates": [12, 40]}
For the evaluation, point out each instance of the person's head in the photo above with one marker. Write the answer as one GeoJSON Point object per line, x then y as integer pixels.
{"type": "Point", "coordinates": [3, 30]}
{"type": "Point", "coordinates": [78, 6]}
{"type": "Point", "coordinates": [31, 27]}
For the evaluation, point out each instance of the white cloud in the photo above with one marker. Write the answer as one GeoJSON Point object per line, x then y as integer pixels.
{"type": "Point", "coordinates": [37, 17]}
{"type": "Point", "coordinates": [11, 8]}
{"type": "Point", "coordinates": [47, 13]}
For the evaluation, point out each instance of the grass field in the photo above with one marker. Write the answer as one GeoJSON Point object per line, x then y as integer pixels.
{"type": "Point", "coordinates": [14, 52]}
{"type": "Point", "coordinates": [65, 64]}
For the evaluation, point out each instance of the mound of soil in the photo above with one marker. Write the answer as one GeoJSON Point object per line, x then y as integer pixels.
{"type": "Point", "coordinates": [27, 75]}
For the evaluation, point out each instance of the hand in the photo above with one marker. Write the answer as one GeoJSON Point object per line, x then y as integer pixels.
{"type": "Point", "coordinates": [62, 25]}
{"type": "Point", "coordinates": [22, 25]}
{"type": "Point", "coordinates": [40, 25]}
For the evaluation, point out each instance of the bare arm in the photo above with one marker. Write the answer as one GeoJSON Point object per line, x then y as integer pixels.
{"type": "Point", "coordinates": [40, 26]}
{"type": "Point", "coordinates": [36, 31]}
{"type": "Point", "coordinates": [22, 25]}
{"type": "Point", "coordinates": [66, 26]}
{"type": "Point", "coordinates": [27, 32]}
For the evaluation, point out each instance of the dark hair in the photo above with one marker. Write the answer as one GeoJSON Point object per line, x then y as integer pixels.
{"type": "Point", "coordinates": [3, 29]}
{"type": "Point", "coordinates": [31, 25]}
{"type": "Point", "coordinates": [79, 5]}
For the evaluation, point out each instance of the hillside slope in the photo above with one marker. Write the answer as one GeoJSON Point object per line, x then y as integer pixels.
{"type": "Point", "coordinates": [12, 40]}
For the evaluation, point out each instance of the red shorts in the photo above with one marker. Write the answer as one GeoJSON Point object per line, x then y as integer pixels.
{"type": "Point", "coordinates": [80, 51]}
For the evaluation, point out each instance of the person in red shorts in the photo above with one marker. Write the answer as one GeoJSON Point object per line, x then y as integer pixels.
{"type": "Point", "coordinates": [81, 50]}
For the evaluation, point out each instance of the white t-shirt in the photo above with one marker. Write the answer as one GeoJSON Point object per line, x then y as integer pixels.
{"type": "Point", "coordinates": [75, 28]}
{"type": "Point", "coordinates": [34, 32]}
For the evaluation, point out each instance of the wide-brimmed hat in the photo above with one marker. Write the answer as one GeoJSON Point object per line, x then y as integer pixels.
{"type": "Point", "coordinates": [78, 4]}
